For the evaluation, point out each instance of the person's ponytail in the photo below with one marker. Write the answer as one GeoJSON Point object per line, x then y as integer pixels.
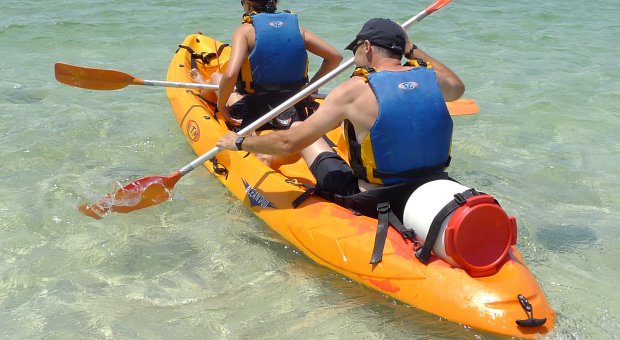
{"type": "Point", "coordinates": [270, 7]}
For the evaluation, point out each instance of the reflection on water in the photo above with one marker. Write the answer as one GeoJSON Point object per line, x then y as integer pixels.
{"type": "Point", "coordinates": [564, 238]}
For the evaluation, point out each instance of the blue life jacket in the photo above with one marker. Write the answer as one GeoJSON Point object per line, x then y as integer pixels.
{"type": "Point", "coordinates": [412, 135]}
{"type": "Point", "coordinates": [279, 60]}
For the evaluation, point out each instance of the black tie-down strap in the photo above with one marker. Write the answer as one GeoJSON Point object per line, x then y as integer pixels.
{"type": "Point", "coordinates": [386, 217]}
{"type": "Point", "coordinates": [459, 199]}
{"type": "Point", "coordinates": [304, 196]}
{"type": "Point", "coordinates": [204, 57]}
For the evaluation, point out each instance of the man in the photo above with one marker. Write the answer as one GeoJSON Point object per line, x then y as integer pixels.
{"type": "Point", "coordinates": [396, 123]}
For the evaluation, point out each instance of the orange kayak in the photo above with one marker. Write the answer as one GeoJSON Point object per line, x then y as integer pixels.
{"type": "Point", "coordinates": [335, 237]}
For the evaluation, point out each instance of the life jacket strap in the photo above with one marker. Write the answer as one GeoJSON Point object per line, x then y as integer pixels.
{"type": "Point", "coordinates": [242, 86]}
{"type": "Point", "coordinates": [418, 63]}
{"type": "Point", "coordinates": [363, 71]}
{"type": "Point", "coordinates": [411, 173]}
{"type": "Point", "coordinates": [247, 17]}
{"type": "Point", "coordinates": [274, 87]}
{"type": "Point", "coordinates": [355, 152]}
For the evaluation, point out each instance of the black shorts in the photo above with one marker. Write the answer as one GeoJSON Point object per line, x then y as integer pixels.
{"type": "Point", "coordinates": [334, 175]}
{"type": "Point", "coordinates": [253, 106]}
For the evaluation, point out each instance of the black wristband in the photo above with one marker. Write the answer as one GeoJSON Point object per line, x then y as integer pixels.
{"type": "Point", "coordinates": [409, 55]}
{"type": "Point", "coordinates": [239, 143]}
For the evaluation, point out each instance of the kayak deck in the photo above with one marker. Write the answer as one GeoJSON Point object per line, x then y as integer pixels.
{"type": "Point", "coordinates": [335, 237]}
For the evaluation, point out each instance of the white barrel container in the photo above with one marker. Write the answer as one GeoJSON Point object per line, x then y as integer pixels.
{"type": "Point", "coordinates": [422, 207]}
{"type": "Point", "coordinates": [476, 236]}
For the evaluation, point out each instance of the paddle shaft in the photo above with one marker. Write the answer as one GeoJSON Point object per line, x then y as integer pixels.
{"type": "Point", "coordinates": [303, 93]}
{"type": "Point", "coordinates": [160, 83]}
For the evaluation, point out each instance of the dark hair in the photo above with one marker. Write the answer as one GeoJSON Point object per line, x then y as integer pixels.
{"type": "Point", "coordinates": [387, 52]}
{"type": "Point", "coordinates": [266, 6]}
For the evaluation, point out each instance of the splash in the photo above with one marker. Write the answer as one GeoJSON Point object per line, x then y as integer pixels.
{"type": "Point", "coordinates": [136, 195]}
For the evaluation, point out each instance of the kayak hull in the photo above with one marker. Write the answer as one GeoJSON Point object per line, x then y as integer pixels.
{"type": "Point", "coordinates": [336, 238]}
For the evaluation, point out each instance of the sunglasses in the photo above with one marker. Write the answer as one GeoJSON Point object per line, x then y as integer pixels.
{"type": "Point", "coordinates": [356, 46]}
{"type": "Point", "coordinates": [242, 2]}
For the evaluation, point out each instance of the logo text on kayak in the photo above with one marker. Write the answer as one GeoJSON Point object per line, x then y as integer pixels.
{"type": "Point", "coordinates": [256, 198]}
{"type": "Point", "coordinates": [193, 130]}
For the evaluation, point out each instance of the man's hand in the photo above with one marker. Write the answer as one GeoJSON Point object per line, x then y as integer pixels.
{"type": "Point", "coordinates": [409, 49]}
{"type": "Point", "coordinates": [227, 141]}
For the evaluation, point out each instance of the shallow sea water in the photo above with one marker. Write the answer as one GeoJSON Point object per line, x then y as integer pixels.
{"type": "Point", "coordinates": [202, 266]}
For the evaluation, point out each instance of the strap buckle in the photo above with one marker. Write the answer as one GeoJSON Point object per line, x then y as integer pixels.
{"type": "Point", "coordinates": [459, 199]}
{"type": "Point", "coordinates": [383, 207]}
{"type": "Point", "coordinates": [409, 234]}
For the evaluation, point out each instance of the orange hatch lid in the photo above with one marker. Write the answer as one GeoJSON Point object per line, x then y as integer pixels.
{"type": "Point", "coordinates": [479, 235]}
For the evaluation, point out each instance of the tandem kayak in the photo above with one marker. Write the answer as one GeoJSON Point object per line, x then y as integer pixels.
{"type": "Point", "coordinates": [508, 301]}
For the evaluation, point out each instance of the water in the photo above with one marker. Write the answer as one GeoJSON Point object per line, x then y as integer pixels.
{"type": "Point", "coordinates": [545, 144]}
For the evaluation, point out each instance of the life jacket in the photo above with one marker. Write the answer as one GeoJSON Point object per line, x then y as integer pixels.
{"type": "Point", "coordinates": [279, 60]}
{"type": "Point", "coordinates": [412, 134]}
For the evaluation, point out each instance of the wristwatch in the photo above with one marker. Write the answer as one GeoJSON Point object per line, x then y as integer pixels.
{"type": "Point", "coordinates": [409, 54]}
{"type": "Point", "coordinates": [239, 142]}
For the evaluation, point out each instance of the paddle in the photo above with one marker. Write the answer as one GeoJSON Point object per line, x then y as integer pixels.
{"type": "Point", "coordinates": [102, 79]}
{"type": "Point", "coordinates": [152, 190]}
{"type": "Point", "coordinates": [461, 107]}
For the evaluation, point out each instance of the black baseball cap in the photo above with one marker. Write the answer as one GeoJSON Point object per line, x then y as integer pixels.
{"type": "Point", "coordinates": [382, 32]}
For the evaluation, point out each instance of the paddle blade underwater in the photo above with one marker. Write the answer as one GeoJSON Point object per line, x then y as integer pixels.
{"type": "Point", "coordinates": [139, 194]}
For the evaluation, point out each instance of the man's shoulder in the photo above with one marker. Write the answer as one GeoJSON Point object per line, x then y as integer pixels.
{"type": "Point", "coordinates": [353, 86]}
{"type": "Point", "coordinates": [351, 96]}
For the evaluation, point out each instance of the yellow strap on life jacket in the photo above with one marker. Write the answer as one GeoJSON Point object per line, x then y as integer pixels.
{"type": "Point", "coordinates": [244, 78]}
{"type": "Point", "coordinates": [247, 17]}
{"type": "Point", "coordinates": [418, 63]}
{"type": "Point", "coordinates": [363, 71]}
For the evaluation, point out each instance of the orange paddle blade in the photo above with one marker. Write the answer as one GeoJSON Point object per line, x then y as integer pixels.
{"type": "Point", "coordinates": [140, 194]}
{"type": "Point", "coordinates": [439, 4]}
{"type": "Point", "coordinates": [462, 107]}
{"type": "Point", "coordinates": [93, 78]}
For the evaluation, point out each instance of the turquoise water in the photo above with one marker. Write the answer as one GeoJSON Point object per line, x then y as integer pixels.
{"type": "Point", "coordinates": [545, 143]}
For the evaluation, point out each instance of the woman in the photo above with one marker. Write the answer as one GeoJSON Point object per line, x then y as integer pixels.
{"type": "Point", "coordinates": [268, 63]}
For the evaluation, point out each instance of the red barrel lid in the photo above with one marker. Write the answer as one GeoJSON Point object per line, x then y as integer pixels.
{"type": "Point", "coordinates": [479, 235]}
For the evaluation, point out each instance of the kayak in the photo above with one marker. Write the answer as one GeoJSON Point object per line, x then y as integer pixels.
{"type": "Point", "coordinates": [339, 239]}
